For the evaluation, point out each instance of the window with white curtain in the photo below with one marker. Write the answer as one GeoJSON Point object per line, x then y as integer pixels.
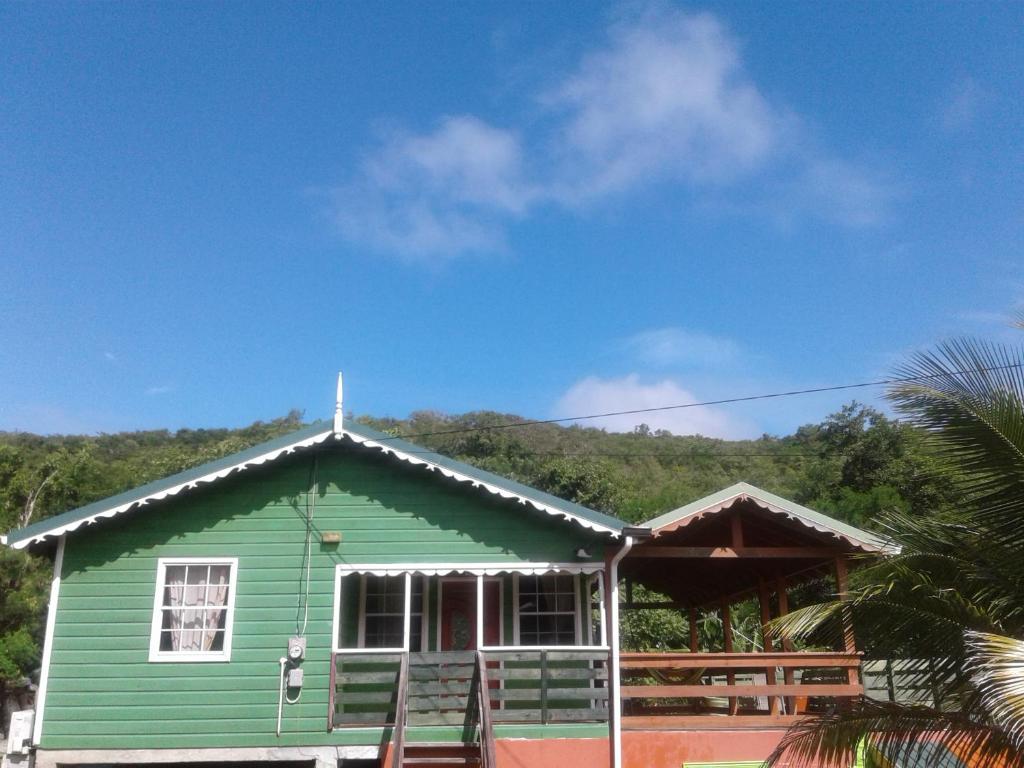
{"type": "Point", "coordinates": [192, 612]}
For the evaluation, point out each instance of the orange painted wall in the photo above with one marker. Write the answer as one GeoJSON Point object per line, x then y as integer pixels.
{"type": "Point", "coordinates": [640, 749]}
{"type": "Point", "coordinates": [552, 753]}
{"type": "Point", "coordinates": [671, 749]}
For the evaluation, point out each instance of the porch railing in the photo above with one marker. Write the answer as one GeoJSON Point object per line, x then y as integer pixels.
{"type": "Point", "coordinates": [548, 686]}
{"type": "Point", "coordinates": [523, 686]}
{"type": "Point", "coordinates": [679, 690]}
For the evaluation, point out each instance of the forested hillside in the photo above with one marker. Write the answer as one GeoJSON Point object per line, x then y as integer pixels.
{"type": "Point", "coordinates": [852, 465]}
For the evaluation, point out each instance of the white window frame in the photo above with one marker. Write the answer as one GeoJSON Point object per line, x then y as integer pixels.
{"type": "Point", "coordinates": [477, 570]}
{"type": "Point", "coordinates": [155, 654]}
{"type": "Point", "coordinates": [424, 614]}
{"type": "Point", "coordinates": [577, 617]}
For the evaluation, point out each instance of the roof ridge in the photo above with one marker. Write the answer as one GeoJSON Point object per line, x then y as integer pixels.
{"type": "Point", "coordinates": [313, 434]}
{"type": "Point", "coordinates": [809, 517]}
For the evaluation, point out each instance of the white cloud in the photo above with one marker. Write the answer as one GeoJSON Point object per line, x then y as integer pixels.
{"type": "Point", "coordinates": [437, 194]}
{"type": "Point", "coordinates": [594, 395]}
{"type": "Point", "coordinates": [161, 389]}
{"type": "Point", "coordinates": [110, 356]}
{"type": "Point", "coordinates": [678, 346]}
{"type": "Point", "coordinates": [666, 98]}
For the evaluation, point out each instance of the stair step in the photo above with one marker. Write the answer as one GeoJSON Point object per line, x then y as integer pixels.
{"type": "Point", "coordinates": [442, 744]}
{"type": "Point", "coordinates": [409, 762]}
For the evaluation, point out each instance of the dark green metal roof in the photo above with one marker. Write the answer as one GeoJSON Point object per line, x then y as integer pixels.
{"type": "Point", "coordinates": [315, 434]}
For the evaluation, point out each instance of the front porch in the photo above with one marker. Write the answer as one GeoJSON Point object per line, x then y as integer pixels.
{"type": "Point", "coordinates": [466, 653]}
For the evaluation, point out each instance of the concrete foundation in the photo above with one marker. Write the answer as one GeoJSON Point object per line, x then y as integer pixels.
{"type": "Point", "coordinates": [321, 757]}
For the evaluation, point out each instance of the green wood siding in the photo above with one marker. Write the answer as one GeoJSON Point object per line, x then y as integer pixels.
{"type": "Point", "coordinates": [103, 691]}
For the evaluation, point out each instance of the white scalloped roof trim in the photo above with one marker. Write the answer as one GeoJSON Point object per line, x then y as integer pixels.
{"type": "Point", "coordinates": [476, 569]}
{"type": "Point", "coordinates": [769, 507]}
{"type": "Point", "coordinates": [174, 490]}
{"type": "Point", "coordinates": [278, 452]}
{"type": "Point", "coordinates": [477, 483]}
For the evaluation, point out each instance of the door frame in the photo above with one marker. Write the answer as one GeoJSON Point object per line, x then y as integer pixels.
{"type": "Point", "coordinates": [501, 606]}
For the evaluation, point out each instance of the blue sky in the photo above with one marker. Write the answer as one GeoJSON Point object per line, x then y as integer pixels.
{"type": "Point", "coordinates": [551, 209]}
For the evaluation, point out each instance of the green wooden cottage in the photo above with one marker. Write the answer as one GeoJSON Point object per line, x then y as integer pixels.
{"type": "Point", "coordinates": [340, 597]}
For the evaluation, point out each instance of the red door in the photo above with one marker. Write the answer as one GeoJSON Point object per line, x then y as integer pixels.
{"type": "Point", "coordinates": [458, 614]}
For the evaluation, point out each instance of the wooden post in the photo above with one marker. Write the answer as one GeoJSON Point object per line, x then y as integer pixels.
{"type": "Point", "coordinates": [730, 676]}
{"type": "Point", "coordinates": [787, 645]}
{"type": "Point", "coordinates": [764, 600]}
{"type": "Point", "coordinates": [694, 636]}
{"type": "Point", "coordinates": [736, 526]}
{"type": "Point", "coordinates": [843, 590]}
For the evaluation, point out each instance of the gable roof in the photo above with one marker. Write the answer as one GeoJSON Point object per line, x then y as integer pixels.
{"type": "Point", "coordinates": [315, 434]}
{"type": "Point", "coordinates": [724, 499]}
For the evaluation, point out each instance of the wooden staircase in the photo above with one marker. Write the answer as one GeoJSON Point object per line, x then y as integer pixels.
{"type": "Point", "coordinates": [440, 755]}
{"type": "Point", "coordinates": [443, 689]}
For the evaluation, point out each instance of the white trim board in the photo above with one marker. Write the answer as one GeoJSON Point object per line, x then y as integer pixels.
{"type": "Point", "coordinates": [473, 569]}
{"type": "Point", "coordinates": [51, 621]}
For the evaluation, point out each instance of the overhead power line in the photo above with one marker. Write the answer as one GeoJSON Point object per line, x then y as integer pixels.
{"type": "Point", "coordinates": [722, 401]}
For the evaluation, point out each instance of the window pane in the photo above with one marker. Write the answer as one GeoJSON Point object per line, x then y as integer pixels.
{"type": "Point", "coordinates": [384, 631]}
{"type": "Point", "coordinates": [195, 585]}
{"type": "Point", "coordinates": [167, 641]}
{"type": "Point", "coordinates": [416, 633]}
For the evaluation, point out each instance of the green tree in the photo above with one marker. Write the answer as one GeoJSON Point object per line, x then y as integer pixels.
{"type": "Point", "coordinates": [954, 595]}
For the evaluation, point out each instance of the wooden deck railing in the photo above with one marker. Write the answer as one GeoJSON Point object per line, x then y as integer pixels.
{"type": "Point", "coordinates": [548, 686]}
{"type": "Point", "coordinates": [522, 686]}
{"type": "Point", "coordinates": [365, 691]}
{"type": "Point", "coordinates": [681, 690]}
{"type": "Point", "coordinates": [659, 690]}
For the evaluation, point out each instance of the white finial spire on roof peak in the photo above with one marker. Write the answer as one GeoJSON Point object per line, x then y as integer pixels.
{"type": "Point", "coordinates": [339, 411]}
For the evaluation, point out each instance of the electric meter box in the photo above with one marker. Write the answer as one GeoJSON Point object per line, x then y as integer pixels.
{"type": "Point", "coordinates": [296, 649]}
{"type": "Point", "coordinates": [19, 736]}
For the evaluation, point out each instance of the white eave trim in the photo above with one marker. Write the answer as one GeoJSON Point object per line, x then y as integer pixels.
{"type": "Point", "coordinates": [316, 439]}
{"type": "Point", "coordinates": [477, 483]}
{"type": "Point", "coordinates": [173, 490]}
{"type": "Point", "coordinates": [474, 569]}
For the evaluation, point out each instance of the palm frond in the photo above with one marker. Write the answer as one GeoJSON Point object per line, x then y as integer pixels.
{"type": "Point", "coordinates": [970, 396]}
{"type": "Point", "coordinates": [897, 732]}
{"type": "Point", "coordinates": [996, 665]}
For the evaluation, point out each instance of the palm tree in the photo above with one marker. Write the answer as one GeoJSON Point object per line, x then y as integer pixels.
{"type": "Point", "coordinates": [953, 598]}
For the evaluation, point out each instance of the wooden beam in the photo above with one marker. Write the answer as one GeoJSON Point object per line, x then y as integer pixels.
{"type": "Point", "coordinates": [733, 552]}
{"type": "Point", "coordinates": [683, 722]}
{"type": "Point", "coordinates": [843, 590]}
{"type": "Point", "coordinates": [736, 527]}
{"type": "Point", "coordinates": [682, 660]}
{"type": "Point", "coordinates": [694, 691]}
